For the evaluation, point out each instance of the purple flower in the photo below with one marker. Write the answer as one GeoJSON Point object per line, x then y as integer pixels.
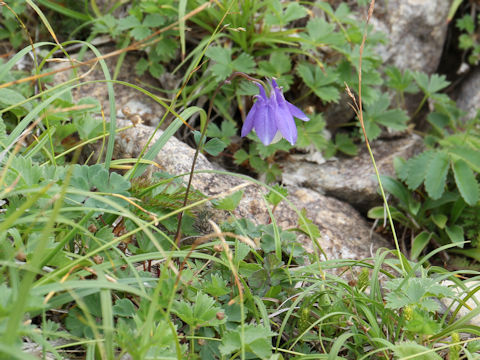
{"type": "Point", "coordinates": [270, 115]}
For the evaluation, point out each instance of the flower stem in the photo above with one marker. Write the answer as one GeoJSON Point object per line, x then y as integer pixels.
{"type": "Point", "coordinates": [202, 136]}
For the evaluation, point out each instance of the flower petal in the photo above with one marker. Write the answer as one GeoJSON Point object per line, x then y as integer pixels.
{"type": "Point", "coordinates": [249, 121]}
{"type": "Point", "coordinates": [296, 112]}
{"type": "Point", "coordinates": [264, 122]}
{"type": "Point", "coordinates": [284, 118]}
{"type": "Point", "coordinates": [263, 95]}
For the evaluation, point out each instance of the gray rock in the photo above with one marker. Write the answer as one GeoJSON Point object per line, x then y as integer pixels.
{"type": "Point", "coordinates": [468, 98]}
{"type": "Point", "coordinates": [345, 234]}
{"type": "Point", "coordinates": [416, 30]}
{"type": "Point", "coordinates": [351, 179]}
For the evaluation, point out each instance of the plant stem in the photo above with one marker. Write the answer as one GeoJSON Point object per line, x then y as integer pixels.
{"type": "Point", "coordinates": [200, 141]}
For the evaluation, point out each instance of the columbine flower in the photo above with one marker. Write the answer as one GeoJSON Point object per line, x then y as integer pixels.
{"type": "Point", "coordinates": [272, 115]}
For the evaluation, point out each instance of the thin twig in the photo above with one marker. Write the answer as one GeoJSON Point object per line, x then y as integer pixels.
{"type": "Point", "coordinates": [359, 111]}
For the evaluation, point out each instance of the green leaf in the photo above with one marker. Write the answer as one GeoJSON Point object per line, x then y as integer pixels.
{"type": "Point", "coordinates": [436, 176]}
{"type": "Point", "coordinates": [466, 23]}
{"type": "Point", "coordinates": [279, 64]}
{"type": "Point", "coordinates": [128, 22]}
{"type": "Point", "coordinates": [422, 323]}
{"type": "Point", "coordinates": [3, 133]}
{"type": "Point", "coordinates": [320, 82]}
{"type": "Point", "coordinates": [140, 32]}
{"type": "Point", "coordinates": [395, 119]}
{"type": "Point", "coordinates": [10, 97]}
{"type": "Point", "coordinates": [419, 243]}
{"type": "Point", "coordinates": [397, 189]}
{"type": "Point", "coordinates": [141, 66]}
{"type": "Point", "coordinates": [273, 198]}
{"type": "Point", "coordinates": [277, 16]}
{"type": "Point", "coordinates": [440, 220]}
{"type": "Point", "coordinates": [430, 85]}
{"type": "Point", "coordinates": [310, 226]}
{"type": "Point", "coordinates": [228, 129]}
{"type": "Point", "coordinates": [224, 65]}
{"type": "Point", "coordinates": [214, 146]}
{"type": "Point", "coordinates": [373, 130]}
{"type": "Point", "coordinates": [293, 11]}
{"type": "Point", "coordinates": [410, 349]}
{"type": "Point", "coordinates": [471, 156]}
{"type": "Point", "coordinates": [201, 313]}
{"type": "Point", "coordinates": [240, 156]}
{"type": "Point", "coordinates": [416, 169]}
{"type": "Point", "coordinates": [230, 203]}
{"type": "Point", "coordinates": [345, 144]}
{"type": "Point", "coordinates": [217, 286]}
{"type": "Point", "coordinates": [124, 308]}
{"type": "Point", "coordinates": [257, 340]}
{"type": "Point", "coordinates": [466, 182]}
{"type": "Point", "coordinates": [222, 57]}
{"type": "Point", "coordinates": [456, 234]}
{"type": "Point", "coordinates": [97, 177]}
{"type": "Point", "coordinates": [321, 32]}
{"type": "Point", "coordinates": [244, 63]}
{"type": "Point", "coordinates": [156, 69]}
{"type": "Point", "coordinates": [399, 81]}
{"type": "Point", "coordinates": [378, 113]}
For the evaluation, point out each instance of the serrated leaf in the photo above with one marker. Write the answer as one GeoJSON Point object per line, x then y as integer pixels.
{"type": "Point", "coordinates": [471, 156]}
{"type": "Point", "coordinates": [140, 32]}
{"type": "Point", "coordinates": [219, 54]}
{"type": "Point", "coordinates": [416, 169]}
{"type": "Point", "coordinates": [217, 286]}
{"type": "Point", "coordinates": [156, 69]}
{"type": "Point", "coordinates": [141, 66]}
{"type": "Point", "coordinates": [321, 32]}
{"type": "Point", "coordinates": [466, 23]}
{"type": "Point", "coordinates": [373, 130]}
{"type": "Point", "coordinates": [399, 81]}
{"type": "Point", "coordinates": [277, 16]}
{"type": "Point", "coordinates": [395, 119]}
{"type": "Point", "coordinates": [153, 20]}
{"type": "Point", "coordinates": [128, 22]}
{"type": "Point", "coordinates": [202, 312]}
{"type": "Point", "coordinates": [230, 203]}
{"type": "Point", "coordinates": [321, 83]}
{"type": "Point", "coordinates": [419, 243]}
{"type": "Point", "coordinates": [436, 176]}
{"type": "Point", "coordinates": [466, 182]}
{"type": "Point", "coordinates": [294, 11]}
{"type": "Point", "coordinates": [273, 198]}
{"type": "Point", "coordinates": [244, 63]}
{"type": "Point", "coordinates": [256, 340]}
{"type": "Point", "coordinates": [279, 67]}
{"type": "Point", "coordinates": [214, 146]}
{"type": "Point", "coordinates": [432, 84]}
{"type": "Point", "coordinates": [240, 156]}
